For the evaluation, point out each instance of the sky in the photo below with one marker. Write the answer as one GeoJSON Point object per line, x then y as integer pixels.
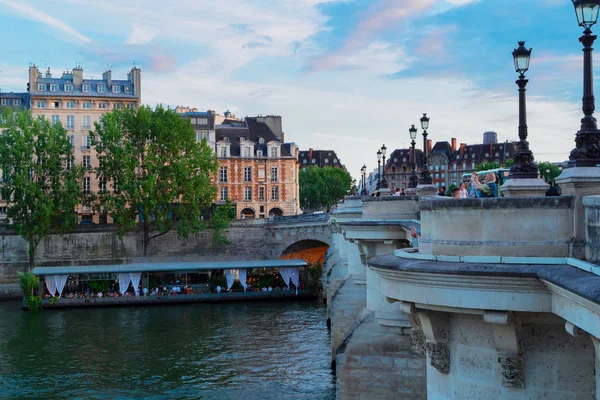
{"type": "Point", "coordinates": [347, 75]}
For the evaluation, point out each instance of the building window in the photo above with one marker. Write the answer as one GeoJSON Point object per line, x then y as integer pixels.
{"type": "Point", "coordinates": [497, 154]}
{"type": "Point", "coordinates": [116, 89]}
{"type": "Point", "coordinates": [54, 87]}
{"type": "Point", "coordinates": [261, 140]}
{"type": "Point", "coordinates": [117, 106]}
{"type": "Point", "coordinates": [101, 185]}
{"type": "Point", "coordinates": [85, 142]}
{"type": "Point", "coordinates": [201, 136]}
{"type": "Point", "coordinates": [261, 193]}
{"type": "Point", "coordinates": [70, 104]}
{"type": "Point", "coordinates": [223, 151]}
{"type": "Point", "coordinates": [259, 153]}
{"type": "Point", "coordinates": [313, 161]}
{"type": "Point", "coordinates": [41, 87]}
{"type": "Point", "coordinates": [85, 122]}
{"type": "Point", "coordinates": [274, 174]}
{"type": "Point", "coordinates": [193, 121]}
{"type": "Point", "coordinates": [487, 154]}
{"type": "Point", "coordinates": [437, 168]}
{"type": "Point", "coordinates": [247, 153]}
{"type": "Point", "coordinates": [202, 121]}
{"type": "Point", "coordinates": [70, 162]}
{"type": "Point", "coordinates": [41, 104]}
{"type": "Point", "coordinates": [5, 102]}
{"type": "Point", "coordinates": [327, 161]}
{"type": "Point", "coordinates": [86, 105]}
{"type": "Point", "coordinates": [247, 174]}
{"type": "Point", "coordinates": [335, 161]}
{"type": "Point", "coordinates": [70, 122]}
{"type": "Point", "coordinates": [472, 165]}
{"type": "Point", "coordinates": [248, 193]}
{"type": "Point", "coordinates": [223, 174]}
{"type": "Point", "coordinates": [506, 154]}
{"type": "Point", "coordinates": [131, 106]}
{"type": "Point", "coordinates": [403, 159]}
{"type": "Point", "coordinates": [127, 89]}
{"type": "Point", "coordinates": [56, 104]}
{"type": "Point", "coordinates": [55, 119]}
{"type": "Point", "coordinates": [101, 89]}
{"type": "Point", "coordinates": [275, 193]}
{"type": "Point", "coordinates": [443, 176]}
{"type": "Point", "coordinates": [304, 161]}
{"type": "Point", "coordinates": [454, 167]}
{"type": "Point", "coordinates": [72, 140]}
{"type": "Point", "coordinates": [437, 176]}
{"type": "Point", "coordinates": [86, 184]}
{"type": "Point", "coordinates": [16, 102]}
{"type": "Point", "coordinates": [103, 105]}
{"type": "Point", "coordinates": [274, 152]}
{"type": "Point", "coordinates": [85, 88]}
{"type": "Point", "coordinates": [443, 167]}
{"type": "Point", "coordinates": [472, 155]}
{"type": "Point", "coordinates": [224, 193]}
{"type": "Point", "coordinates": [87, 162]}
{"type": "Point", "coordinates": [464, 166]}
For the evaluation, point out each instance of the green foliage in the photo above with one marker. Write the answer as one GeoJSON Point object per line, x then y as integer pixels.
{"type": "Point", "coordinates": [54, 300]}
{"type": "Point", "coordinates": [34, 155]}
{"type": "Point", "coordinates": [219, 221]}
{"type": "Point", "coordinates": [548, 172]}
{"type": "Point", "coordinates": [28, 282]}
{"type": "Point", "coordinates": [218, 280]}
{"type": "Point", "coordinates": [99, 286]}
{"type": "Point", "coordinates": [486, 166]}
{"type": "Point", "coordinates": [509, 163]}
{"type": "Point", "coordinates": [321, 188]}
{"type": "Point", "coordinates": [449, 191]}
{"type": "Point", "coordinates": [161, 173]}
{"type": "Point", "coordinates": [34, 303]}
{"type": "Point", "coordinates": [315, 272]}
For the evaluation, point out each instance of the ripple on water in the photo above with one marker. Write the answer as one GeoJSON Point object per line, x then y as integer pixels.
{"type": "Point", "coordinates": [207, 351]}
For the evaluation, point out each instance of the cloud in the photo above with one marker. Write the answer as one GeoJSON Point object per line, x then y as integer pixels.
{"type": "Point", "coordinates": [154, 58]}
{"type": "Point", "coordinates": [140, 34]}
{"type": "Point", "coordinates": [35, 14]}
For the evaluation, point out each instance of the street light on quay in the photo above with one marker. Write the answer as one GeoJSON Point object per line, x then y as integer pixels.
{"type": "Point", "coordinates": [425, 175]}
{"type": "Point", "coordinates": [524, 167]}
{"type": "Point", "coordinates": [414, 179]}
{"type": "Point", "coordinates": [378, 169]}
{"type": "Point", "coordinates": [384, 183]}
{"type": "Point", "coordinates": [363, 172]}
{"type": "Point", "coordinates": [587, 140]}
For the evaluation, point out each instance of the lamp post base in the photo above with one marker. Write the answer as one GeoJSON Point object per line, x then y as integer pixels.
{"type": "Point", "coordinates": [426, 190]}
{"type": "Point", "coordinates": [524, 187]}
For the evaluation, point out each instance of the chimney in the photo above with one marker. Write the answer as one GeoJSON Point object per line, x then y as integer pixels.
{"type": "Point", "coordinates": [462, 149]}
{"type": "Point", "coordinates": [106, 76]}
{"type": "Point", "coordinates": [491, 151]}
{"type": "Point", "coordinates": [33, 76]}
{"type": "Point", "coordinates": [310, 155]}
{"type": "Point", "coordinates": [48, 73]}
{"type": "Point", "coordinates": [453, 145]}
{"type": "Point", "coordinates": [77, 77]}
{"type": "Point", "coordinates": [429, 145]}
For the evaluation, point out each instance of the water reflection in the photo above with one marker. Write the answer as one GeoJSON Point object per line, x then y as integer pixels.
{"type": "Point", "coordinates": [225, 351]}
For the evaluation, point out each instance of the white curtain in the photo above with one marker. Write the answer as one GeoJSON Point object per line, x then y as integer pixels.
{"type": "Point", "coordinates": [135, 281]}
{"type": "Point", "coordinates": [124, 280]}
{"type": "Point", "coordinates": [50, 284]}
{"type": "Point", "coordinates": [230, 275]}
{"type": "Point", "coordinates": [60, 281]}
{"type": "Point", "coordinates": [285, 275]}
{"type": "Point", "coordinates": [242, 278]}
{"type": "Point", "coordinates": [295, 277]}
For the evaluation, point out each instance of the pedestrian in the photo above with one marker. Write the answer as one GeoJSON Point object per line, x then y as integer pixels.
{"type": "Point", "coordinates": [475, 186]}
{"type": "Point", "coordinates": [490, 187]}
{"type": "Point", "coordinates": [463, 191]}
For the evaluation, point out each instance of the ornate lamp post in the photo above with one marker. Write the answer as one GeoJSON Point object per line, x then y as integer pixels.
{"type": "Point", "coordinates": [524, 167]}
{"type": "Point", "coordinates": [378, 169]}
{"type": "Point", "coordinates": [425, 175]}
{"type": "Point", "coordinates": [414, 179]}
{"type": "Point", "coordinates": [384, 183]}
{"type": "Point", "coordinates": [587, 141]}
{"type": "Point", "coordinates": [363, 171]}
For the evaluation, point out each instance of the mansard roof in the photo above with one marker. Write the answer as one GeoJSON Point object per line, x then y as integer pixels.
{"type": "Point", "coordinates": [24, 97]}
{"type": "Point", "coordinates": [320, 156]}
{"type": "Point", "coordinates": [400, 154]}
{"type": "Point", "coordinates": [477, 153]}
{"type": "Point", "coordinates": [253, 131]}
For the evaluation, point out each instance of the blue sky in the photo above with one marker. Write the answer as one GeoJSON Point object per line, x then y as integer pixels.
{"type": "Point", "coordinates": [347, 75]}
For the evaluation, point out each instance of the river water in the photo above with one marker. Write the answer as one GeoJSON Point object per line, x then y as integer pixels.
{"type": "Point", "coordinates": [196, 351]}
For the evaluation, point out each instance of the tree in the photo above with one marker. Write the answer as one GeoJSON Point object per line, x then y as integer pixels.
{"type": "Point", "coordinates": [42, 186]}
{"type": "Point", "coordinates": [320, 188]}
{"type": "Point", "coordinates": [486, 166]}
{"type": "Point", "coordinates": [509, 163]}
{"type": "Point", "coordinates": [161, 177]}
{"type": "Point", "coordinates": [548, 172]}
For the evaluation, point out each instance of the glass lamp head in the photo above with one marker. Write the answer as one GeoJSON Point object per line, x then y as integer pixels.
{"type": "Point", "coordinates": [378, 155]}
{"type": "Point", "coordinates": [363, 170]}
{"type": "Point", "coordinates": [521, 57]}
{"type": "Point", "coordinates": [413, 132]}
{"type": "Point", "coordinates": [383, 150]}
{"type": "Point", "coordinates": [425, 122]}
{"type": "Point", "coordinates": [587, 12]}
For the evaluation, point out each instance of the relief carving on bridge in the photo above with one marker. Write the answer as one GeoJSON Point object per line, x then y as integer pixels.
{"type": "Point", "coordinates": [435, 328]}
{"type": "Point", "coordinates": [512, 366]}
{"type": "Point", "coordinates": [417, 336]}
{"type": "Point", "coordinates": [507, 341]}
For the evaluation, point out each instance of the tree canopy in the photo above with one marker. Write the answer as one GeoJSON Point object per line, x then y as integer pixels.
{"type": "Point", "coordinates": [320, 188]}
{"type": "Point", "coordinates": [158, 176]}
{"type": "Point", "coordinates": [487, 165]}
{"type": "Point", "coordinates": [42, 186]}
{"type": "Point", "coordinates": [548, 172]}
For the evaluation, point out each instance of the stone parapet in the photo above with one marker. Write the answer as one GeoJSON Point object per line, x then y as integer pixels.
{"type": "Point", "coordinates": [390, 208]}
{"type": "Point", "coordinates": [592, 228]}
{"type": "Point", "coordinates": [519, 227]}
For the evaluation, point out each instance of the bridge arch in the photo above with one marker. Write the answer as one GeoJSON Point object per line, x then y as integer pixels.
{"type": "Point", "coordinates": [275, 212]}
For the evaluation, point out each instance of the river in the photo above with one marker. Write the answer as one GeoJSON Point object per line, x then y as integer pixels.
{"type": "Point", "coordinates": [196, 351]}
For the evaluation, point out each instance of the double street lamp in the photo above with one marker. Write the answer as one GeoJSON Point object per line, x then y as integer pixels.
{"type": "Point", "coordinates": [587, 141]}
{"type": "Point", "coordinates": [384, 183]}
{"type": "Point", "coordinates": [363, 172]}
{"type": "Point", "coordinates": [524, 167]}
{"type": "Point", "coordinates": [414, 179]}
{"type": "Point", "coordinates": [378, 169]}
{"type": "Point", "coordinates": [425, 175]}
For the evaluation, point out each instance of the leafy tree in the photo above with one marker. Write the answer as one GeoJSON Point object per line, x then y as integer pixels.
{"type": "Point", "coordinates": [509, 163]}
{"type": "Point", "coordinates": [548, 172]}
{"type": "Point", "coordinates": [321, 188]}
{"type": "Point", "coordinates": [486, 165]}
{"type": "Point", "coordinates": [219, 221]}
{"type": "Point", "coordinates": [161, 177]}
{"type": "Point", "coordinates": [43, 189]}
{"type": "Point", "coordinates": [449, 190]}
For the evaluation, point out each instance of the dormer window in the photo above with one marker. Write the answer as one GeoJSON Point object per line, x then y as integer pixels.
{"type": "Point", "coordinates": [259, 153]}
{"type": "Point", "coordinates": [116, 89]}
{"type": "Point", "coordinates": [304, 161]}
{"type": "Point", "coordinates": [85, 88]}
{"type": "Point", "coordinates": [261, 140]}
{"type": "Point", "coordinates": [472, 155]}
{"type": "Point", "coordinates": [223, 152]}
{"type": "Point", "coordinates": [335, 161]}
{"type": "Point", "coordinates": [327, 161]}
{"type": "Point", "coordinates": [127, 89]}
{"type": "Point", "coordinates": [487, 154]}
{"type": "Point", "coordinates": [41, 87]}
{"type": "Point", "coordinates": [225, 138]}
{"type": "Point", "coordinates": [54, 87]}
{"type": "Point", "coordinates": [247, 152]}
{"type": "Point", "coordinates": [242, 139]}
{"type": "Point", "coordinates": [313, 161]}
{"type": "Point", "coordinates": [68, 87]}
{"type": "Point", "coordinates": [101, 88]}
{"type": "Point", "coordinates": [274, 152]}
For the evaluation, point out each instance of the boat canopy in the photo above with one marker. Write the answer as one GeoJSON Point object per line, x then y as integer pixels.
{"type": "Point", "coordinates": [167, 267]}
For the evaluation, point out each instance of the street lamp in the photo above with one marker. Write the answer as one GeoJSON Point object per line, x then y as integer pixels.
{"type": "Point", "coordinates": [524, 167]}
{"type": "Point", "coordinates": [384, 183]}
{"type": "Point", "coordinates": [414, 179]}
{"type": "Point", "coordinates": [425, 175]}
{"type": "Point", "coordinates": [363, 171]}
{"type": "Point", "coordinates": [378, 169]}
{"type": "Point", "coordinates": [548, 176]}
{"type": "Point", "coordinates": [587, 141]}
